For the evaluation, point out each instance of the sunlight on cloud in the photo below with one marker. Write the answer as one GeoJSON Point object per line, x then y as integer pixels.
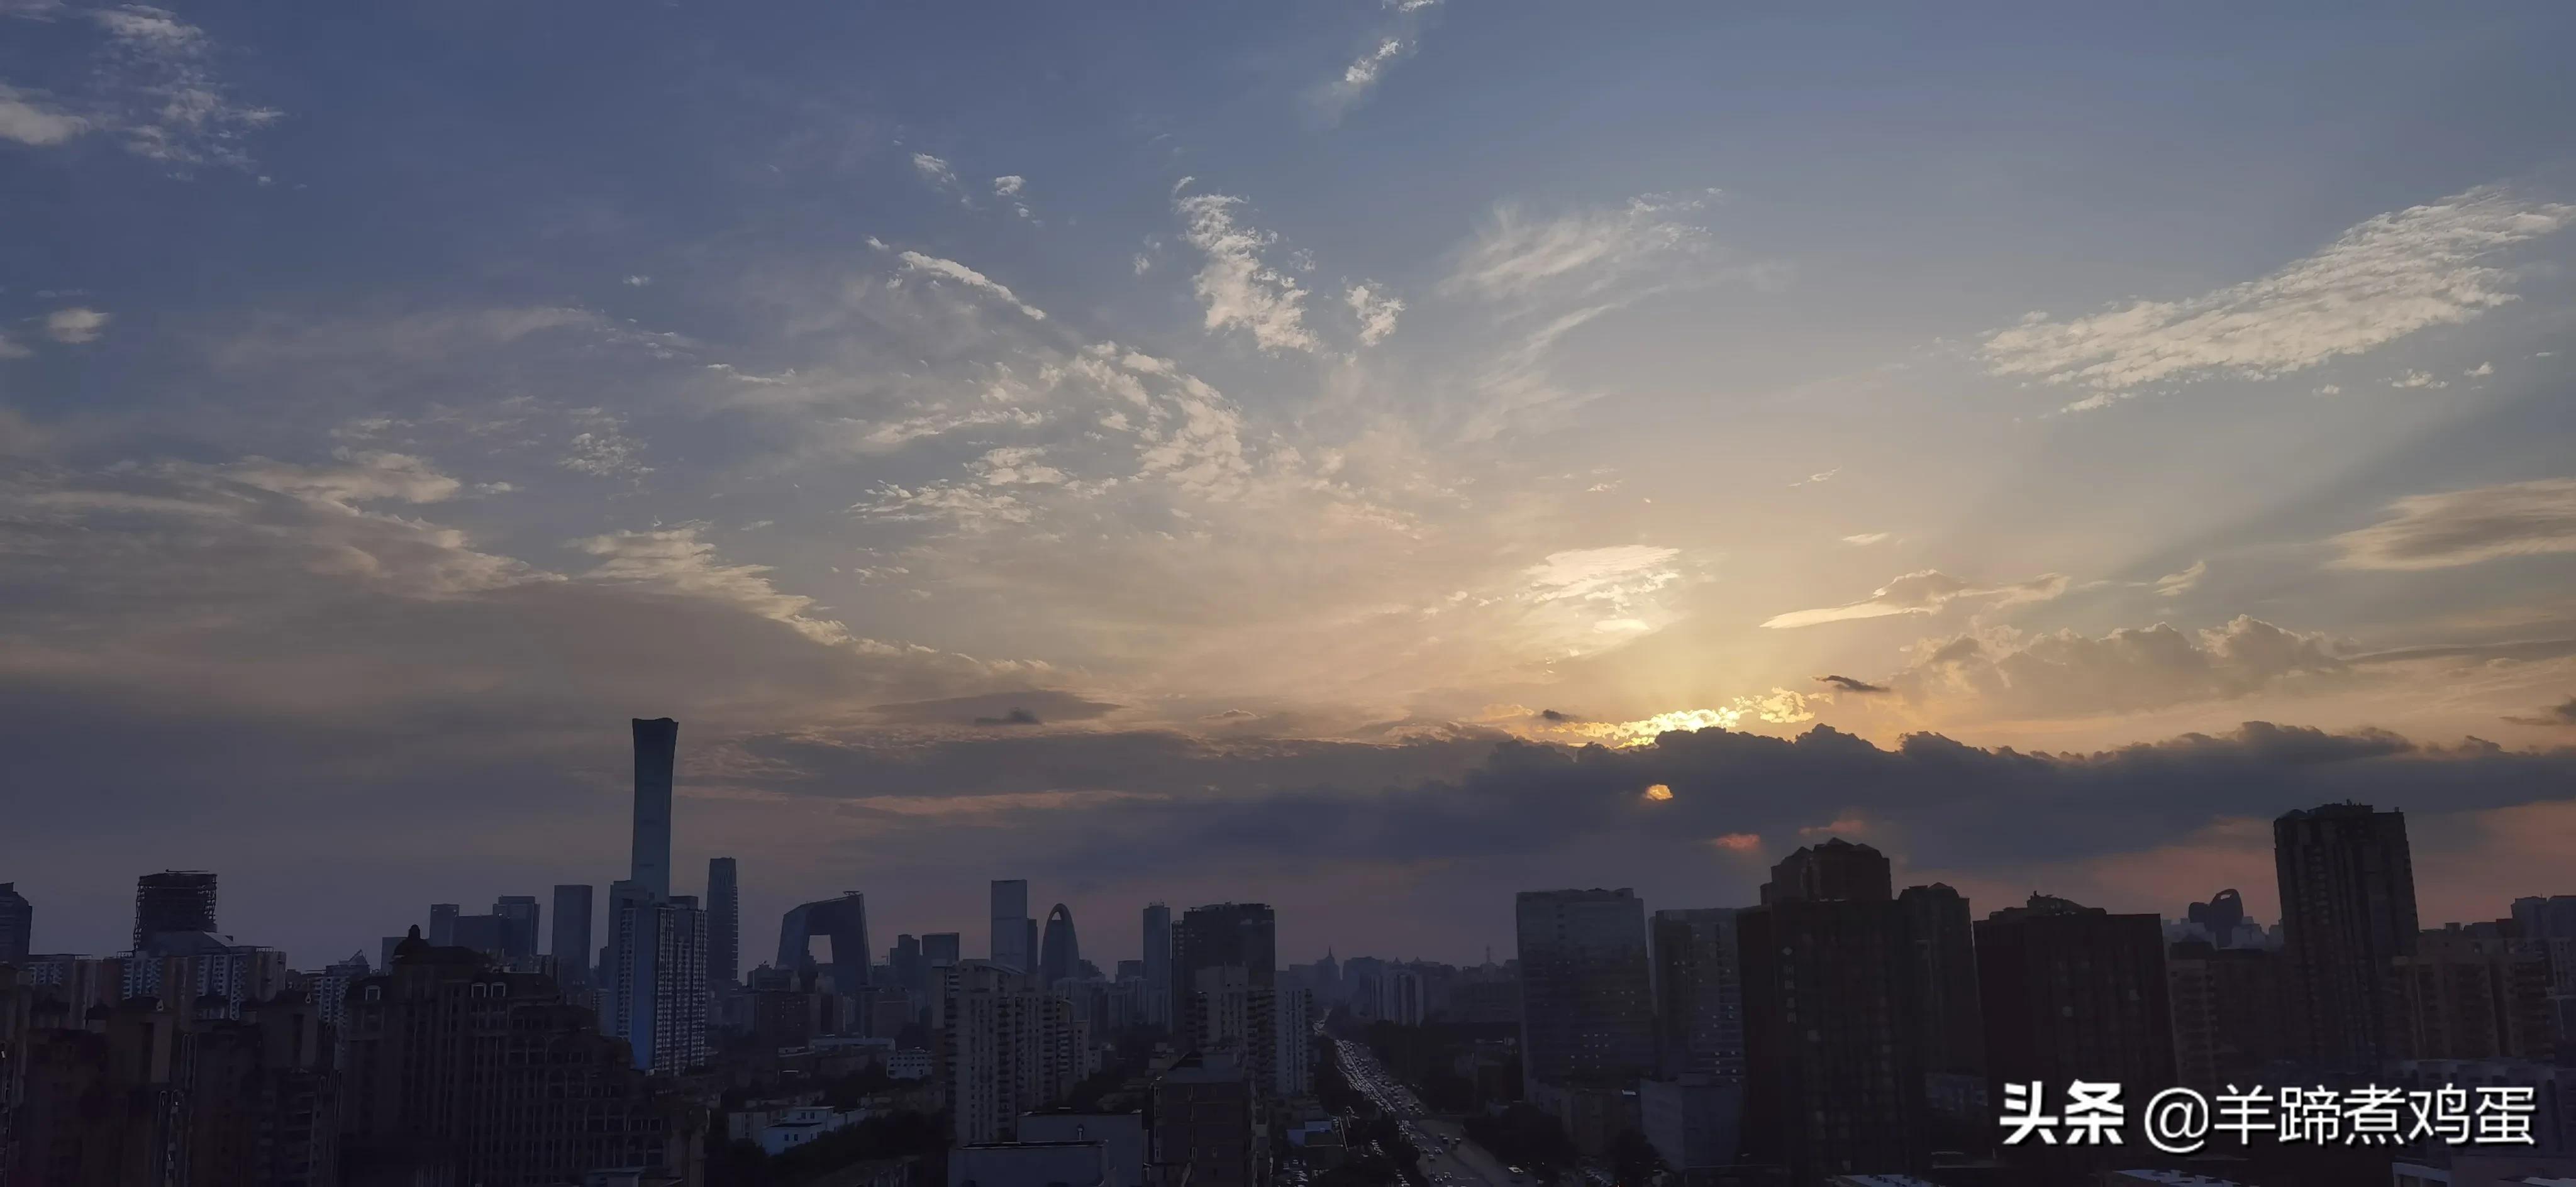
{"type": "Point", "coordinates": [1924, 591]}
{"type": "Point", "coordinates": [2464, 527]}
{"type": "Point", "coordinates": [1236, 284]}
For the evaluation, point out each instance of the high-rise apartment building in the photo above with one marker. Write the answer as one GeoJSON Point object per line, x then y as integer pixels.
{"type": "Point", "coordinates": [1204, 1109]}
{"type": "Point", "coordinates": [657, 745]}
{"type": "Point", "coordinates": [1010, 947]}
{"type": "Point", "coordinates": [1293, 1042]}
{"type": "Point", "coordinates": [660, 982]}
{"type": "Point", "coordinates": [1587, 989]}
{"type": "Point", "coordinates": [1949, 1018]}
{"type": "Point", "coordinates": [17, 925]}
{"type": "Point", "coordinates": [173, 900]}
{"type": "Point", "coordinates": [1007, 1048]}
{"type": "Point", "coordinates": [1699, 985]}
{"type": "Point", "coordinates": [724, 923]}
{"type": "Point", "coordinates": [2074, 993]}
{"type": "Point", "coordinates": [2347, 913]}
{"type": "Point", "coordinates": [2463, 996]}
{"type": "Point", "coordinates": [572, 937]}
{"type": "Point", "coordinates": [2230, 1014]}
{"type": "Point", "coordinates": [1836, 870]}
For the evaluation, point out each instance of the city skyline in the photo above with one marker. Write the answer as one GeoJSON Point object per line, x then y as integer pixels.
{"type": "Point", "coordinates": [1259, 440]}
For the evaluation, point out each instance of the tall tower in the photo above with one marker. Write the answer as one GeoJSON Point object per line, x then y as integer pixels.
{"type": "Point", "coordinates": [572, 936]}
{"type": "Point", "coordinates": [724, 923]}
{"type": "Point", "coordinates": [1011, 925]}
{"type": "Point", "coordinates": [1060, 956]}
{"type": "Point", "coordinates": [173, 900]}
{"type": "Point", "coordinates": [2347, 911]}
{"type": "Point", "coordinates": [657, 744]}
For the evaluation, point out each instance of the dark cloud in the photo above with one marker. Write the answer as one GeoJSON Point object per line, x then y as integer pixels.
{"type": "Point", "coordinates": [2563, 713]}
{"type": "Point", "coordinates": [1015, 717]}
{"type": "Point", "coordinates": [1021, 707]}
{"type": "Point", "coordinates": [1558, 715]}
{"type": "Point", "coordinates": [1850, 684]}
{"type": "Point", "coordinates": [2464, 527]}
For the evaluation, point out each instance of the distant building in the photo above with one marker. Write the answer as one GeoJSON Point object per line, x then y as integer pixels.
{"type": "Point", "coordinates": [1124, 1147]}
{"type": "Point", "coordinates": [519, 916]}
{"type": "Point", "coordinates": [2074, 993]}
{"type": "Point", "coordinates": [2467, 997]}
{"type": "Point", "coordinates": [1158, 965]}
{"type": "Point", "coordinates": [660, 984]}
{"type": "Point", "coordinates": [2348, 909]}
{"type": "Point", "coordinates": [1060, 954]}
{"type": "Point", "coordinates": [1204, 1110]}
{"type": "Point", "coordinates": [173, 900]}
{"type": "Point", "coordinates": [1293, 1043]}
{"type": "Point", "coordinates": [939, 949]}
{"type": "Point", "coordinates": [1007, 1047]}
{"type": "Point", "coordinates": [1010, 945]}
{"type": "Point", "coordinates": [1587, 992]}
{"type": "Point", "coordinates": [724, 923]}
{"type": "Point", "coordinates": [2231, 1015]}
{"type": "Point", "coordinates": [1699, 1006]}
{"type": "Point", "coordinates": [442, 923]}
{"type": "Point", "coordinates": [1400, 997]}
{"type": "Point", "coordinates": [843, 921]}
{"type": "Point", "coordinates": [657, 744]}
{"type": "Point", "coordinates": [197, 974]}
{"type": "Point", "coordinates": [1834, 870]}
{"type": "Point", "coordinates": [1948, 1015]}
{"type": "Point", "coordinates": [572, 937]}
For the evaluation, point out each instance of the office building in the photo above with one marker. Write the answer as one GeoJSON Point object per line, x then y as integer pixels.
{"type": "Point", "coordinates": [1949, 1018]}
{"type": "Point", "coordinates": [2348, 912]}
{"type": "Point", "coordinates": [843, 921]}
{"type": "Point", "coordinates": [1699, 985]}
{"type": "Point", "coordinates": [1834, 1081]}
{"type": "Point", "coordinates": [1158, 965]}
{"type": "Point", "coordinates": [657, 744]}
{"type": "Point", "coordinates": [1239, 934]}
{"type": "Point", "coordinates": [173, 900]}
{"type": "Point", "coordinates": [904, 960]}
{"type": "Point", "coordinates": [1587, 995]}
{"type": "Point", "coordinates": [458, 1069]}
{"type": "Point", "coordinates": [1059, 954]}
{"type": "Point", "coordinates": [724, 923]}
{"type": "Point", "coordinates": [520, 920]}
{"type": "Point", "coordinates": [572, 937]}
{"type": "Point", "coordinates": [17, 925]}
{"type": "Point", "coordinates": [940, 949]}
{"type": "Point", "coordinates": [482, 933]}
{"type": "Point", "coordinates": [442, 923]}
{"type": "Point", "coordinates": [2070, 993]}
{"type": "Point", "coordinates": [1010, 947]}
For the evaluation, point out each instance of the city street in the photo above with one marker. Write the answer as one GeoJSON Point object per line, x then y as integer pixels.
{"type": "Point", "coordinates": [1465, 1165]}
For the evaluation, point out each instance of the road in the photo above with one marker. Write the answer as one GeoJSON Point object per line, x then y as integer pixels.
{"type": "Point", "coordinates": [1464, 1165]}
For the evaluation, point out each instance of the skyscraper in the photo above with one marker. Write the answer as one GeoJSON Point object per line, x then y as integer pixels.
{"type": "Point", "coordinates": [519, 915]}
{"type": "Point", "coordinates": [173, 900]}
{"type": "Point", "coordinates": [844, 921]}
{"type": "Point", "coordinates": [657, 745]}
{"type": "Point", "coordinates": [724, 923]}
{"type": "Point", "coordinates": [1948, 1016]}
{"type": "Point", "coordinates": [1700, 993]}
{"type": "Point", "coordinates": [1587, 993]}
{"type": "Point", "coordinates": [442, 924]}
{"type": "Point", "coordinates": [939, 950]}
{"type": "Point", "coordinates": [17, 923]}
{"type": "Point", "coordinates": [572, 936]}
{"type": "Point", "coordinates": [660, 979]}
{"type": "Point", "coordinates": [1837, 869]}
{"type": "Point", "coordinates": [2348, 912]}
{"type": "Point", "coordinates": [1060, 956]}
{"type": "Point", "coordinates": [1010, 944]}
{"type": "Point", "coordinates": [1158, 965]}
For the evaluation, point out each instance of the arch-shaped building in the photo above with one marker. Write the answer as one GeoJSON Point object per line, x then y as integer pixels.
{"type": "Point", "coordinates": [844, 921]}
{"type": "Point", "coordinates": [1060, 955]}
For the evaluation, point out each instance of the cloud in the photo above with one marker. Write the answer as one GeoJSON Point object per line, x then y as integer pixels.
{"type": "Point", "coordinates": [1014, 717]}
{"type": "Point", "coordinates": [638, 280]}
{"type": "Point", "coordinates": [1236, 284]}
{"type": "Point", "coordinates": [1866, 539]}
{"type": "Point", "coordinates": [2480, 371]}
{"type": "Point", "coordinates": [1925, 591]}
{"type": "Point", "coordinates": [1849, 684]}
{"type": "Point", "coordinates": [171, 105]}
{"type": "Point", "coordinates": [2176, 584]}
{"type": "Point", "coordinates": [603, 450]}
{"type": "Point", "coordinates": [2066, 674]}
{"type": "Point", "coordinates": [2395, 274]}
{"type": "Point", "coordinates": [1582, 254]}
{"type": "Point", "coordinates": [1394, 41]}
{"type": "Point", "coordinates": [676, 561]}
{"type": "Point", "coordinates": [27, 119]}
{"type": "Point", "coordinates": [2407, 379]}
{"type": "Point", "coordinates": [914, 261]}
{"type": "Point", "coordinates": [936, 172]}
{"type": "Point", "coordinates": [75, 325]}
{"type": "Point", "coordinates": [2560, 714]}
{"type": "Point", "coordinates": [2464, 527]}
{"type": "Point", "coordinates": [1376, 310]}
{"type": "Point", "coordinates": [1615, 576]}
{"type": "Point", "coordinates": [1009, 185]}
{"type": "Point", "coordinates": [11, 348]}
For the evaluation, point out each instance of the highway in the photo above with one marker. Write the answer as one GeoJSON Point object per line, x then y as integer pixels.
{"type": "Point", "coordinates": [1465, 1164]}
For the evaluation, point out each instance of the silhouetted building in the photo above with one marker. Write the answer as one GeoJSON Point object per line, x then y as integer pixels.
{"type": "Point", "coordinates": [661, 983]}
{"type": "Point", "coordinates": [940, 949]}
{"type": "Point", "coordinates": [724, 923]}
{"type": "Point", "coordinates": [2231, 1017]}
{"type": "Point", "coordinates": [1244, 934]}
{"type": "Point", "coordinates": [486, 934]}
{"type": "Point", "coordinates": [173, 900]}
{"type": "Point", "coordinates": [844, 921]}
{"type": "Point", "coordinates": [264, 1104]}
{"type": "Point", "coordinates": [1587, 992]}
{"type": "Point", "coordinates": [572, 938]}
{"type": "Point", "coordinates": [442, 923]}
{"type": "Point", "coordinates": [459, 1072]}
{"type": "Point", "coordinates": [520, 918]}
{"type": "Point", "coordinates": [910, 974]}
{"type": "Point", "coordinates": [1007, 1048]}
{"type": "Point", "coordinates": [2220, 916]}
{"type": "Point", "coordinates": [104, 1099]}
{"type": "Point", "coordinates": [1158, 964]}
{"type": "Point", "coordinates": [1834, 1079]}
{"type": "Point", "coordinates": [1010, 946]}
{"type": "Point", "coordinates": [2461, 996]}
{"type": "Point", "coordinates": [1699, 988]}
{"type": "Point", "coordinates": [1059, 953]}
{"type": "Point", "coordinates": [1204, 1107]}
{"type": "Point", "coordinates": [657, 745]}
{"type": "Point", "coordinates": [1694, 1122]}
{"type": "Point", "coordinates": [2347, 911]}
{"type": "Point", "coordinates": [1837, 869]}
{"type": "Point", "coordinates": [17, 924]}
{"type": "Point", "coordinates": [1948, 1016]}
{"type": "Point", "coordinates": [1292, 1071]}
{"type": "Point", "coordinates": [2073, 993]}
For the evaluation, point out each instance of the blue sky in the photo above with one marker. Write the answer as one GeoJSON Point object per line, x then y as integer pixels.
{"type": "Point", "coordinates": [1261, 398]}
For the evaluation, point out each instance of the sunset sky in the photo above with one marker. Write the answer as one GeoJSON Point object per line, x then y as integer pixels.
{"type": "Point", "coordinates": [1248, 450]}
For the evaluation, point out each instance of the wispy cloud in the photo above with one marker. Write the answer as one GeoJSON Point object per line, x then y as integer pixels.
{"type": "Point", "coordinates": [75, 325]}
{"type": "Point", "coordinates": [1925, 591]}
{"type": "Point", "coordinates": [2176, 584]}
{"type": "Point", "coordinates": [31, 119]}
{"type": "Point", "coordinates": [1395, 40]}
{"type": "Point", "coordinates": [1236, 284]}
{"type": "Point", "coordinates": [2464, 527]}
{"type": "Point", "coordinates": [1376, 310]}
{"type": "Point", "coordinates": [937, 268]}
{"type": "Point", "coordinates": [1581, 253]}
{"type": "Point", "coordinates": [2395, 274]}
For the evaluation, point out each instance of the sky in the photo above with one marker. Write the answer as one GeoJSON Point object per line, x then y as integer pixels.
{"type": "Point", "coordinates": [1368, 456]}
